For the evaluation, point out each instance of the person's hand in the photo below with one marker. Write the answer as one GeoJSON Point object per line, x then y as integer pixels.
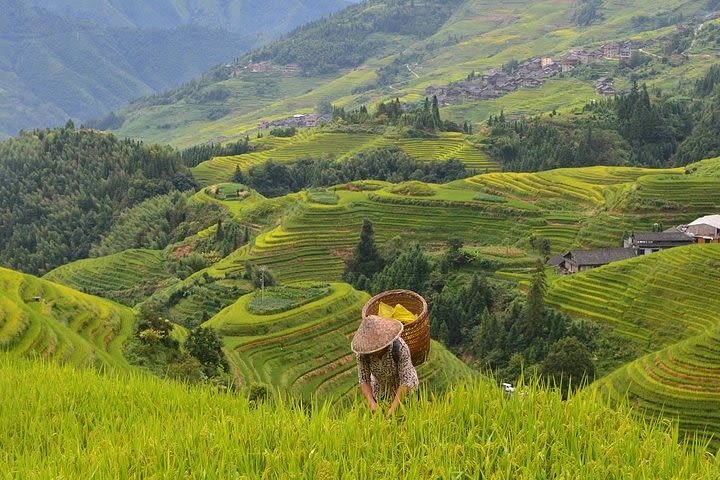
{"type": "Point", "coordinates": [373, 406]}
{"type": "Point", "coordinates": [390, 412]}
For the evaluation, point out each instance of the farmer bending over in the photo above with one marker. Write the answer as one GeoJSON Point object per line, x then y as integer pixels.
{"type": "Point", "coordinates": [385, 370]}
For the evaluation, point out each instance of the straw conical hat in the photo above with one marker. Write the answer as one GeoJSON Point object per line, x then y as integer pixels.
{"type": "Point", "coordinates": [375, 333]}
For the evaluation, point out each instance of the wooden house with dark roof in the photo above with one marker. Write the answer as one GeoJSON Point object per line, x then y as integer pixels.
{"type": "Point", "coordinates": [648, 242]}
{"type": "Point", "coordinates": [582, 260]}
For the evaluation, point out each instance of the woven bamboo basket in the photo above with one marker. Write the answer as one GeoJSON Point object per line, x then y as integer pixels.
{"type": "Point", "coordinates": [416, 334]}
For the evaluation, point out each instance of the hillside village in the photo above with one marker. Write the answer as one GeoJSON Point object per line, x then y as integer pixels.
{"type": "Point", "coordinates": [703, 230]}
{"type": "Point", "coordinates": [531, 73]}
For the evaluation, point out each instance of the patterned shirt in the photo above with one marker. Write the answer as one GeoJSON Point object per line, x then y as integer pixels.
{"type": "Point", "coordinates": [382, 374]}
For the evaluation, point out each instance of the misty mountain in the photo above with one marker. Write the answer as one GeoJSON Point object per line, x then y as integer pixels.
{"type": "Point", "coordinates": [82, 59]}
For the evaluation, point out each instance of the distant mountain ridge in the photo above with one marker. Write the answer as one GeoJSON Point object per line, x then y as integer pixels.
{"type": "Point", "coordinates": [82, 59]}
{"type": "Point", "coordinates": [268, 18]}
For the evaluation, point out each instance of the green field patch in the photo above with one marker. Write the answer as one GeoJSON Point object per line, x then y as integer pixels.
{"type": "Point", "coordinates": [279, 299]}
{"type": "Point", "coordinates": [322, 196]}
{"type": "Point", "coordinates": [413, 189]}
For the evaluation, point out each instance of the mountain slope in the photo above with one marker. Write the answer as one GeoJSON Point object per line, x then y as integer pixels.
{"type": "Point", "coordinates": [248, 17]}
{"type": "Point", "coordinates": [363, 55]}
{"type": "Point", "coordinates": [62, 189]}
{"type": "Point", "coordinates": [53, 322]}
{"type": "Point", "coordinates": [54, 66]}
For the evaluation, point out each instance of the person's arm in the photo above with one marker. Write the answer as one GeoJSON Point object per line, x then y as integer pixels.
{"type": "Point", "coordinates": [408, 379]}
{"type": "Point", "coordinates": [366, 389]}
{"type": "Point", "coordinates": [399, 394]}
{"type": "Point", "coordinates": [364, 380]}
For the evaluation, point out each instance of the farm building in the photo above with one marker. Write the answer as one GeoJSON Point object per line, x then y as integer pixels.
{"type": "Point", "coordinates": [648, 242]}
{"type": "Point", "coordinates": [581, 260]}
{"type": "Point", "coordinates": [705, 229]}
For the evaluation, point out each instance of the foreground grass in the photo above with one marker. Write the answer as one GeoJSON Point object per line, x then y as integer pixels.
{"type": "Point", "coordinates": [78, 424]}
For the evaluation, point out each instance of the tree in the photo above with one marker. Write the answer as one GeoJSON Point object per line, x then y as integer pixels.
{"type": "Point", "coordinates": [436, 113]}
{"type": "Point", "coordinates": [534, 311]}
{"type": "Point", "coordinates": [568, 365]}
{"type": "Point", "coordinates": [366, 260]}
{"type": "Point", "coordinates": [205, 345]}
{"type": "Point", "coordinates": [238, 175]}
{"type": "Point", "coordinates": [410, 271]}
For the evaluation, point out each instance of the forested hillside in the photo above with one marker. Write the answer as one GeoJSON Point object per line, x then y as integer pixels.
{"type": "Point", "coordinates": [64, 188]}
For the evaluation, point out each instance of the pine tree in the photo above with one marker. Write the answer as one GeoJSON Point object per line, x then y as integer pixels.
{"type": "Point", "coordinates": [436, 113]}
{"type": "Point", "coordinates": [534, 310]}
{"type": "Point", "coordinates": [366, 260]}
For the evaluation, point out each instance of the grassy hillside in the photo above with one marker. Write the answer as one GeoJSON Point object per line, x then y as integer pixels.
{"type": "Point", "coordinates": [660, 303]}
{"type": "Point", "coordinates": [572, 208]}
{"type": "Point", "coordinates": [49, 321]}
{"type": "Point", "coordinates": [125, 277]}
{"type": "Point", "coordinates": [445, 146]}
{"type": "Point", "coordinates": [476, 36]}
{"type": "Point", "coordinates": [168, 430]}
{"type": "Point", "coordinates": [680, 382]}
{"type": "Point", "coordinates": [304, 350]}
{"type": "Point", "coordinates": [648, 299]}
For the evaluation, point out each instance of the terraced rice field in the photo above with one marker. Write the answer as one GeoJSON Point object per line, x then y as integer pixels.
{"type": "Point", "coordinates": [579, 185]}
{"type": "Point", "coordinates": [686, 193]}
{"type": "Point", "coordinates": [314, 241]}
{"type": "Point", "coordinates": [305, 351]}
{"type": "Point", "coordinates": [342, 145]}
{"type": "Point", "coordinates": [126, 277]}
{"type": "Point", "coordinates": [653, 300]}
{"type": "Point", "coordinates": [50, 321]}
{"type": "Point", "coordinates": [663, 303]}
{"type": "Point", "coordinates": [681, 382]}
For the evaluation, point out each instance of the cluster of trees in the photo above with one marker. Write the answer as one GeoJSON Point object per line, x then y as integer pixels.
{"type": "Point", "coordinates": [390, 164]}
{"type": "Point", "coordinates": [63, 189]}
{"type": "Point", "coordinates": [629, 129]}
{"type": "Point", "coordinates": [653, 129]}
{"type": "Point", "coordinates": [347, 38]}
{"type": "Point", "coordinates": [425, 119]}
{"type": "Point", "coordinates": [197, 154]}
{"type": "Point", "coordinates": [587, 12]}
{"type": "Point", "coordinates": [510, 335]}
{"type": "Point", "coordinates": [534, 145]}
{"type": "Point", "coordinates": [157, 223]}
{"type": "Point", "coordinates": [152, 347]}
{"type": "Point", "coordinates": [703, 141]}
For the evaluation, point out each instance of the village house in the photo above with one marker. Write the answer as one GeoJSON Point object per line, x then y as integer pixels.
{"type": "Point", "coordinates": [704, 230]}
{"type": "Point", "coordinates": [299, 120]}
{"type": "Point", "coordinates": [611, 50]}
{"type": "Point", "coordinates": [291, 68]}
{"type": "Point", "coordinates": [581, 260]}
{"type": "Point", "coordinates": [643, 243]}
{"type": "Point", "coordinates": [604, 86]}
{"type": "Point", "coordinates": [568, 62]}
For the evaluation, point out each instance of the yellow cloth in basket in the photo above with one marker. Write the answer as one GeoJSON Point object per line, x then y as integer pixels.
{"type": "Point", "coordinates": [398, 312]}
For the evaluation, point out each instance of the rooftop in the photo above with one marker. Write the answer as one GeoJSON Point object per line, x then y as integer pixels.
{"type": "Point", "coordinates": [674, 236]}
{"type": "Point", "coordinates": [599, 256]}
{"type": "Point", "coordinates": [712, 220]}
